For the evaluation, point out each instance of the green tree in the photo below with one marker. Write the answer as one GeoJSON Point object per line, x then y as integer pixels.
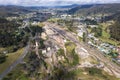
{"type": "Point", "coordinates": [84, 37]}
{"type": "Point", "coordinates": [115, 31]}
{"type": "Point", "coordinates": [97, 31]}
{"type": "Point", "coordinates": [2, 58]}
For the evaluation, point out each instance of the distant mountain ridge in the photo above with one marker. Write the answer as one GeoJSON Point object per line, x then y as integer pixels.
{"type": "Point", "coordinates": [67, 6]}
{"type": "Point", "coordinates": [10, 10]}
{"type": "Point", "coordinates": [96, 8]}
{"type": "Point", "coordinates": [75, 9]}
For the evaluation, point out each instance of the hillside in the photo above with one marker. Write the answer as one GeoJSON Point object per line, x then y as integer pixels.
{"type": "Point", "coordinates": [95, 9]}
{"type": "Point", "coordinates": [115, 29]}
{"type": "Point", "coordinates": [11, 36]}
{"type": "Point", "coordinates": [11, 10]}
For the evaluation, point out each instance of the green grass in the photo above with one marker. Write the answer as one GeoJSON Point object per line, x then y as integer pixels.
{"type": "Point", "coordinates": [17, 74]}
{"type": "Point", "coordinates": [60, 52]}
{"type": "Point", "coordinates": [69, 46]}
{"type": "Point", "coordinates": [91, 74]}
{"type": "Point", "coordinates": [71, 54]}
{"type": "Point", "coordinates": [113, 42]}
{"type": "Point", "coordinates": [11, 57]}
{"type": "Point", "coordinates": [41, 24]}
{"type": "Point", "coordinates": [2, 49]}
{"type": "Point", "coordinates": [72, 29]}
{"type": "Point", "coordinates": [106, 36]}
{"type": "Point", "coordinates": [53, 20]}
{"type": "Point", "coordinates": [80, 39]}
{"type": "Point", "coordinates": [99, 74]}
{"type": "Point", "coordinates": [89, 30]}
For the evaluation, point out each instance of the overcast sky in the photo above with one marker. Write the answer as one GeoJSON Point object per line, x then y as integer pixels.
{"type": "Point", "coordinates": [53, 2]}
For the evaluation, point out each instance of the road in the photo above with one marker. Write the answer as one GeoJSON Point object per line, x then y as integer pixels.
{"type": "Point", "coordinates": [19, 60]}
{"type": "Point", "coordinates": [115, 69]}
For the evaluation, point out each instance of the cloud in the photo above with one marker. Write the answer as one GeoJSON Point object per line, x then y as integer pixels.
{"type": "Point", "coordinates": [53, 2]}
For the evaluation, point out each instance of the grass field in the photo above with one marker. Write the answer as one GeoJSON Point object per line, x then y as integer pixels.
{"type": "Point", "coordinates": [11, 57]}
{"type": "Point", "coordinates": [53, 20]}
{"type": "Point", "coordinates": [2, 49]}
{"type": "Point", "coordinates": [106, 36]}
{"type": "Point", "coordinates": [91, 74]}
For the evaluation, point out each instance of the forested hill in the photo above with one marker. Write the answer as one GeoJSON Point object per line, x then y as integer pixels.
{"type": "Point", "coordinates": [11, 10]}
{"type": "Point", "coordinates": [95, 9]}
{"type": "Point", "coordinates": [115, 29]}
{"type": "Point", "coordinates": [10, 36]}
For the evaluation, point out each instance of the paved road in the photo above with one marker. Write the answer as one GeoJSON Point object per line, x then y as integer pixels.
{"type": "Point", "coordinates": [115, 69]}
{"type": "Point", "coordinates": [19, 60]}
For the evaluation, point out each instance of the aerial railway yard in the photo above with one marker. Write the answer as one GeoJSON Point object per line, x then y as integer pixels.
{"type": "Point", "coordinates": [109, 65]}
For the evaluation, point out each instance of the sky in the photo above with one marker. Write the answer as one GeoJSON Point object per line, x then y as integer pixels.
{"type": "Point", "coordinates": [53, 2]}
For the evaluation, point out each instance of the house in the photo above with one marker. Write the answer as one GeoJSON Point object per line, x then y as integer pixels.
{"type": "Point", "coordinates": [118, 49]}
{"type": "Point", "coordinates": [93, 26]}
{"type": "Point", "coordinates": [5, 52]}
{"type": "Point", "coordinates": [91, 35]}
{"type": "Point", "coordinates": [64, 16]}
{"type": "Point", "coordinates": [106, 48]}
{"type": "Point", "coordinates": [81, 30]}
{"type": "Point", "coordinates": [90, 43]}
{"type": "Point", "coordinates": [48, 49]}
{"type": "Point", "coordinates": [98, 19]}
{"type": "Point", "coordinates": [95, 41]}
{"type": "Point", "coordinates": [44, 51]}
